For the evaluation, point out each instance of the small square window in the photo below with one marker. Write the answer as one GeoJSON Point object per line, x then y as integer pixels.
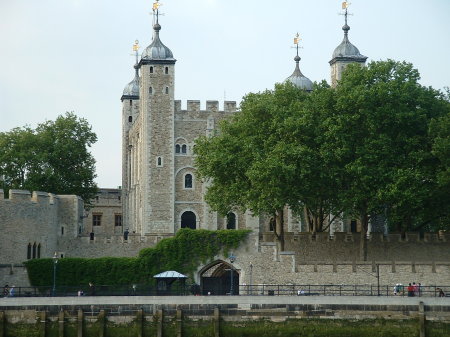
{"type": "Point", "coordinates": [96, 220]}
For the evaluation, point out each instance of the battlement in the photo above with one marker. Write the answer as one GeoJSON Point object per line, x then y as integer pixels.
{"type": "Point", "coordinates": [210, 106]}
{"type": "Point", "coordinates": [27, 196]}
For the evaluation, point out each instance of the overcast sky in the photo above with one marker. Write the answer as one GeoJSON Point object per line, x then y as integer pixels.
{"type": "Point", "coordinates": [74, 55]}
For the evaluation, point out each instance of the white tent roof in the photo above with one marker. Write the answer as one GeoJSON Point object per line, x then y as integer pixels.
{"type": "Point", "coordinates": [170, 274]}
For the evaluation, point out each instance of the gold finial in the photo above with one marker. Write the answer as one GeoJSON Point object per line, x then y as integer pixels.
{"type": "Point", "coordinates": [297, 39]}
{"type": "Point", "coordinates": [136, 46]}
{"type": "Point", "coordinates": [345, 4]}
{"type": "Point", "coordinates": [156, 5]}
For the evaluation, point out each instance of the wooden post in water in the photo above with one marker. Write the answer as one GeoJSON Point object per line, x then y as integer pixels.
{"type": "Point", "coordinates": [2, 324]}
{"type": "Point", "coordinates": [140, 323]}
{"type": "Point", "coordinates": [42, 317]}
{"type": "Point", "coordinates": [101, 319]}
{"type": "Point", "coordinates": [159, 328]}
{"type": "Point", "coordinates": [179, 322]}
{"type": "Point", "coordinates": [61, 323]}
{"type": "Point", "coordinates": [80, 323]}
{"type": "Point", "coordinates": [422, 319]}
{"type": "Point", "coordinates": [216, 322]}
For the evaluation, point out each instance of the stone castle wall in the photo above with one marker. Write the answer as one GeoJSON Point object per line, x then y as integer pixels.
{"type": "Point", "coordinates": [36, 219]}
{"type": "Point", "coordinates": [263, 264]}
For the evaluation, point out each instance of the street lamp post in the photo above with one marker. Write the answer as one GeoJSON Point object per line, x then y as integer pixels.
{"type": "Point", "coordinates": [251, 282]}
{"type": "Point", "coordinates": [55, 262]}
{"type": "Point", "coordinates": [232, 258]}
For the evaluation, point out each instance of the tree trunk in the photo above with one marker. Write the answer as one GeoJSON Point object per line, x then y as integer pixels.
{"type": "Point", "coordinates": [363, 240]}
{"type": "Point", "coordinates": [279, 228]}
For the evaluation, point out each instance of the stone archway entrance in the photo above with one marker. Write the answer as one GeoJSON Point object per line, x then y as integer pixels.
{"type": "Point", "coordinates": [188, 220]}
{"type": "Point", "coordinates": [216, 279]}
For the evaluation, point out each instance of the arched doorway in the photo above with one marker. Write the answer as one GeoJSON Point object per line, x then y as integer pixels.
{"type": "Point", "coordinates": [215, 279]}
{"type": "Point", "coordinates": [188, 220]}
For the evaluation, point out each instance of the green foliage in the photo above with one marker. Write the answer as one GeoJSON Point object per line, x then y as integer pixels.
{"type": "Point", "coordinates": [183, 253]}
{"type": "Point", "coordinates": [53, 158]}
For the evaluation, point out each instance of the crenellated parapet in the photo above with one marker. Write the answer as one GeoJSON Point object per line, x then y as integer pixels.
{"type": "Point", "coordinates": [195, 106]}
{"type": "Point", "coordinates": [39, 197]}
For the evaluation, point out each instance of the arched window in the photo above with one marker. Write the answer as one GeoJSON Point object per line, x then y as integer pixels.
{"type": "Point", "coordinates": [150, 90]}
{"type": "Point", "coordinates": [159, 162]}
{"type": "Point", "coordinates": [177, 148]}
{"type": "Point", "coordinates": [166, 71]}
{"type": "Point", "coordinates": [231, 221]}
{"type": "Point", "coordinates": [34, 250]}
{"type": "Point", "coordinates": [184, 149]}
{"type": "Point", "coordinates": [167, 90]}
{"type": "Point", "coordinates": [29, 251]}
{"type": "Point", "coordinates": [151, 70]}
{"type": "Point", "coordinates": [188, 181]}
{"type": "Point", "coordinates": [130, 119]}
{"type": "Point", "coordinates": [131, 102]}
{"type": "Point", "coordinates": [188, 220]}
{"type": "Point", "coordinates": [39, 251]}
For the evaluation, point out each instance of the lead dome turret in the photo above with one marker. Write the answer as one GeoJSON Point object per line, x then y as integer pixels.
{"type": "Point", "coordinates": [298, 79]}
{"type": "Point", "coordinates": [157, 51]}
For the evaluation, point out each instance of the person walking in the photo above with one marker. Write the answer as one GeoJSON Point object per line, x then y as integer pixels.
{"type": "Point", "coordinates": [410, 290]}
{"type": "Point", "coordinates": [6, 290]}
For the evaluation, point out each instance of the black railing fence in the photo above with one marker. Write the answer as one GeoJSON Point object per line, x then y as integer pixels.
{"type": "Point", "coordinates": [243, 290]}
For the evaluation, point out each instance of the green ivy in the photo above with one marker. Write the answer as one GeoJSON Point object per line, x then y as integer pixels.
{"type": "Point", "coordinates": [184, 253]}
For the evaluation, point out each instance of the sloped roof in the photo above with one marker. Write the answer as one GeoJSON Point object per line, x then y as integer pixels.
{"type": "Point", "coordinates": [170, 274]}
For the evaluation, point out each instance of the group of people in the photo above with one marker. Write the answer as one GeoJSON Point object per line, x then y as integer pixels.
{"type": "Point", "coordinates": [414, 290]}
{"type": "Point", "coordinates": [8, 291]}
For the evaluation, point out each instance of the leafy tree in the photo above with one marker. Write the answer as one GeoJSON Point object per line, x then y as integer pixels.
{"type": "Point", "coordinates": [379, 136]}
{"type": "Point", "coordinates": [54, 157]}
{"type": "Point", "coordinates": [243, 162]}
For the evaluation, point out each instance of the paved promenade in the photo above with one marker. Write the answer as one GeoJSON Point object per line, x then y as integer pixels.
{"type": "Point", "coordinates": [219, 300]}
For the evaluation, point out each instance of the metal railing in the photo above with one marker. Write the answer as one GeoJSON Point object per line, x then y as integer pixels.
{"type": "Point", "coordinates": [243, 290]}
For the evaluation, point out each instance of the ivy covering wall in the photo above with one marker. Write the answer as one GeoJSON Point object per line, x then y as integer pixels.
{"type": "Point", "coordinates": [183, 253]}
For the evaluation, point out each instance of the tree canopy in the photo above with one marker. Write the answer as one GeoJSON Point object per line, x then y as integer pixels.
{"type": "Point", "coordinates": [377, 143]}
{"type": "Point", "coordinates": [54, 157]}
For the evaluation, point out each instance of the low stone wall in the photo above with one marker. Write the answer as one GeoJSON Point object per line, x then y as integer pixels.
{"type": "Point", "coordinates": [14, 275]}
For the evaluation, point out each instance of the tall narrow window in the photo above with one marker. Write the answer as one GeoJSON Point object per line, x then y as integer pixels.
{"type": "Point", "coordinates": [62, 230]}
{"type": "Point", "coordinates": [159, 162]}
{"type": "Point", "coordinates": [151, 70]}
{"type": "Point", "coordinates": [231, 221]}
{"type": "Point", "coordinates": [29, 251]}
{"type": "Point", "coordinates": [177, 148]}
{"type": "Point", "coordinates": [130, 119]}
{"type": "Point", "coordinates": [117, 220]}
{"type": "Point", "coordinates": [188, 181]}
{"type": "Point", "coordinates": [131, 102]}
{"type": "Point", "coordinates": [166, 71]}
{"type": "Point", "coordinates": [167, 90]}
{"type": "Point", "coordinates": [39, 251]}
{"type": "Point", "coordinates": [34, 250]}
{"type": "Point", "coordinates": [184, 149]}
{"type": "Point", "coordinates": [150, 90]}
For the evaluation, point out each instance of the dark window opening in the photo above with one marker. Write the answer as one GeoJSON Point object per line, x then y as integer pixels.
{"type": "Point", "coordinates": [167, 90]}
{"type": "Point", "coordinates": [151, 70]}
{"type": "Point", "coordinates": [39, 251]}
{"type": "Point", "coordinates": [188, 220]}
{"type": "Point", "coordinates": [96, 220]}
{"type": "Point", "coordinates": [130, 119]}
{"type": "Point", "coordinates": [272, 224]}
{"type": "Point", "coordinates": [34, 250]}
{"type": "Point", "coordinates": [159, 161]}
{"type": "Point", "coordinates": [184, 148]}
{"type": "Point", "coordinates": [177, 148]}
{"type": "Point", "coordinates": [150, 90]}
{"type": "Point", "coordinates": [166, 70]}
{"type": "Point", "coordinates": [231, 221]}
{"type": "Point", "coordinates": [118, 220]}
{"type": "Point", "coordinates": [131, 102]}
{"type": "Point", "coordinates": [188, 181]}
{"type": "Point", "coordinates": [29, 251]}
{"type": "Point", "coordinates": [353, 226]}
{"type": "Point", "coordinates": [62, 230]}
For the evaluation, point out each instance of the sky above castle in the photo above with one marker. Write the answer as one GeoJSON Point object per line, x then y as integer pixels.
{"type": "Point", "coordinates": [75, 55]}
